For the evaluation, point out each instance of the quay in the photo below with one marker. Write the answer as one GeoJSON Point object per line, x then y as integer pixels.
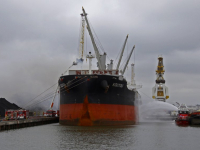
{"type": "Point", "coordinates": [33, 121]}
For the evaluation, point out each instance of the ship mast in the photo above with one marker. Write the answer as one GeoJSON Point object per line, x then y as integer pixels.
{"type": "Point", "coordinates": [133, 83]}
{"type": "Point", "coordinates": [128, 60]}
{"type": "Point", "coordinates": [100, 65]}
{"type": "Point", "coordinates": [132, 75]}
{"type": "Point", "coordinates": [122, 53]}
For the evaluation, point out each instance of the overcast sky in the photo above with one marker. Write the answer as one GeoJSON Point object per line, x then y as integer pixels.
{"type": "Point", "coordinates": [39, 41]}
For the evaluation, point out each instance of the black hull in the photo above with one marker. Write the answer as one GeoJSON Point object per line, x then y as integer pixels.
{"type": "Point", "coordinates": [96, 100]}
{"type": "Point", "coordinates": [100, 89]}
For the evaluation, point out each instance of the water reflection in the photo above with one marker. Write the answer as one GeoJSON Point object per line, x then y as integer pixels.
{"type": "Point", "coordinates": [96, 137]}
{"type": "Point", "coordinates": [146, 135]}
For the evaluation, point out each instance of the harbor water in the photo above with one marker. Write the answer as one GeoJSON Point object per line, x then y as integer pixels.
{"type": "Point", "coordinates": [158, 135]}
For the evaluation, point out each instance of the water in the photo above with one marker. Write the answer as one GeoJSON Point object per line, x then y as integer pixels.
{"type": "Point", "coordinates": [144, 136]}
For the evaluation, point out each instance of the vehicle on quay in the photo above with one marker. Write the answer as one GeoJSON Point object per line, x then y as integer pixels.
{"type": "Point", "coordinates": [13, 114]}
{"type": "Point", "coordinates": [51, 113]}
{"type": "Point", "coordinates": [22, 114]}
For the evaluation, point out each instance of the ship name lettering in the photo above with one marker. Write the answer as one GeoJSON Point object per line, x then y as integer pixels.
{"type": "Point", "coordinates": [118, 85]}
{"type": "Point", "coordinates": [93, 76]}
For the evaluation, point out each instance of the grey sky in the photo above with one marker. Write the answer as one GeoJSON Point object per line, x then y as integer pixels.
{"type": "Point", "coordinates": [39, 41]}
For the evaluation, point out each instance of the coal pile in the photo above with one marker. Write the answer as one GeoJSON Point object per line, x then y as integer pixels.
{"type": "Point", "coordinates": [4, 104]}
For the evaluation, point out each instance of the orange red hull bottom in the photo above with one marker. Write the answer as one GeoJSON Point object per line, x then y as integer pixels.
{"type": "Point", "coordinates": [89, 114]}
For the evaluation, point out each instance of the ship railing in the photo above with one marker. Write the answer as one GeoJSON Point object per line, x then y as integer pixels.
{"type": "Point", "coordinates": [97, 72]}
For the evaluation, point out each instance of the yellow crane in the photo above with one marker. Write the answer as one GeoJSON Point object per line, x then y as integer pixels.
{"type": "Point", "coordinates": [160, 90]}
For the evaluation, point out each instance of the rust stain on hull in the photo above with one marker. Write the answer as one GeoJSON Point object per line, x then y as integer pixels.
{"type": "Point", "coordinates": [85, 119]}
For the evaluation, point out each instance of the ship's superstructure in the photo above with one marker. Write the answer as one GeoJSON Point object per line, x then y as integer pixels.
{"type": "Point", "coordinates": [160, 90]}
{"type": "Point", "coordinates": [97, 97]}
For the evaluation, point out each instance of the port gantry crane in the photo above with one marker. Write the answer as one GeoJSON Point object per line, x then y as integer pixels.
{"type": "Point", "coordinates": [160, 90]}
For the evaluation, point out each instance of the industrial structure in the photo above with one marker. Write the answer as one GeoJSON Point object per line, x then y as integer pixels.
{"type": "Point", "coordinates": [160, 90]}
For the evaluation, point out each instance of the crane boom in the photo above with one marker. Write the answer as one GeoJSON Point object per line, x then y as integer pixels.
{"type": "Point", "coordinates": [93, 42]}
{"type": "Point", "coordinates": [128, 60]}
{"type": "Point", "coordinates": [81, 44]}
{"type": "Point", "coordinates": [51, 106]}
{"type": "Point", "coordinates": [122, 53]}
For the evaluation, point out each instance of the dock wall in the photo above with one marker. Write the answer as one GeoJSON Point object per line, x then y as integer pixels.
{"type": "Point", "coordinates": [15, 124]}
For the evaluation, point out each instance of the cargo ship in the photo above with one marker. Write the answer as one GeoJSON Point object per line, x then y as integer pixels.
{"type": "Point", "coordinates": [97, 97]}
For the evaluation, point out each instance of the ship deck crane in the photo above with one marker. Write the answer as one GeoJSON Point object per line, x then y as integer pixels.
{"type": "Point", "coordinates": [120, 58]}
{"type": "Point", "coordinates": [100, 58]}
{"type": "Point", "coordinates": [128, 60]}
{"type": "Point", "coordinates": [81, 44]}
